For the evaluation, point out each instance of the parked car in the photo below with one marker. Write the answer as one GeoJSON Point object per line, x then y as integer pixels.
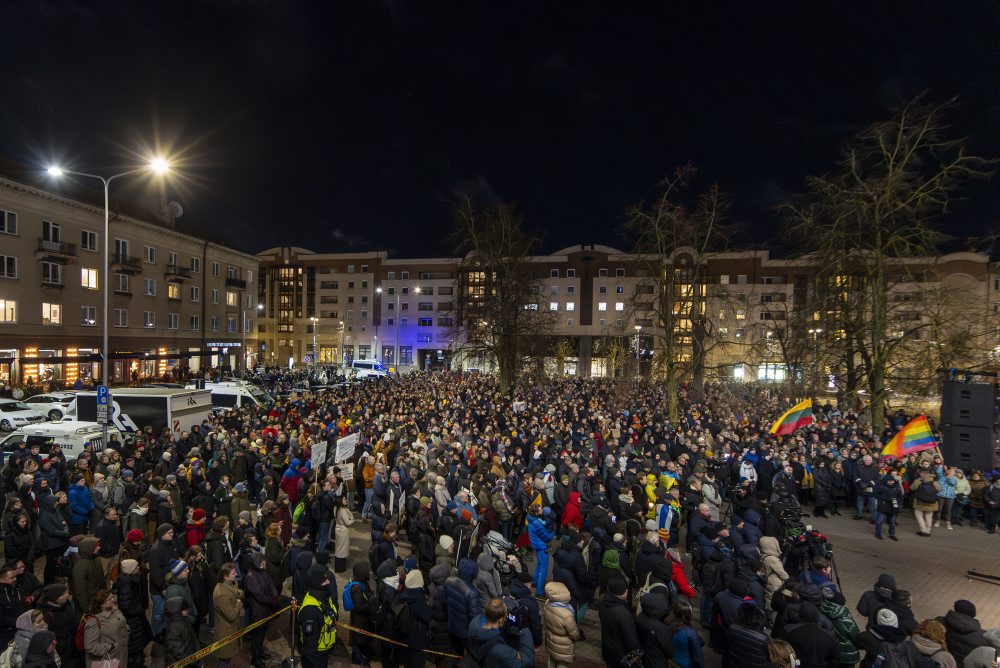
{"type": "Point", "coordinates": [14, 414]}
{"type": "Point", "coordinates": [52, 405]}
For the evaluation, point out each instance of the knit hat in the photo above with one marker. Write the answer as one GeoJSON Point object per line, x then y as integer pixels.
{"type": "Point", "coordinates": [664, 534]}
{"type": "Point", "coordinates": [171, 478]}
{"type": "Point", "coordinates": [53, 591]}
{"type": "Point", "coordinates": [240, 487]}
{"type": "Point", "coordinates": [135, 536]}
{"type": "Point", "coordinates": [886, 581]}
{"type": "Point", "coordinates": [163, 530]}
{"type": "Point", "coordinates": [425, 501]}
{"type": "Point", "coordinates": [410, 564]}
{"type": "Point", "coordinates": [129, 565]}
{"type": "Point", "coordinates": [414, 579]}
{"type": "Point", "coordinates": [886, 617]}
{"type": "Point", "coordinates": [177, 566]}
{"type": "Point", "coordinates": [198, 515]}
{"type": "Point", "coordinates": [467, 514]}
{"type": "Point", "coordinates": [618, 538]}
{"type": "Point", "coordinates": [964, 607]}
{"type": "Point", "coordinates": [617, 586]}
{"type": "Point", "coordinates": [651, 525]}
{"type": "Point", "coordinates": [447, 542]}
{"type": "Point", "coordinates": [220, 523]}
{"type": "Point", "coordinates": [127, 474]}
{"type": "Point", "coordinates": [245, 516]}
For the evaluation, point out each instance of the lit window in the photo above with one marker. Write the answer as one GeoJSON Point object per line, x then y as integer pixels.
{"type": "Point", "coordinates": [88, 278]}
{"type": "Point", "coordinates": [553, 306]}
{"type": "Point", "coordinates": [724, 280]}
{"type": "Point", "coordinates": [173, 291]}
{"type": "Point", "coordinates": [619, 306]}
{"type": "Point", "coordinates": [741, 314]}
{"type": "Point", "coordinates": [51, 314]}
{"type": "Point", "coordinates": [8, 310]}
{"type": "Point", "coordinates": [570, 306]}
{"type": "Point", "coordinates": [232, 298]}
{"type": "Point", "coordinates": [602, 306]}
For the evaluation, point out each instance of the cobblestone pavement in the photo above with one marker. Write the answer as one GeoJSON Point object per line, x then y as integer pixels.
{"type": "Point", "coordinates": [933, 569]}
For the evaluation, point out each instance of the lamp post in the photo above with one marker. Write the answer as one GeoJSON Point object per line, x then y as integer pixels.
{"type": "Point", "coordinates": [315, 322]}
{"type": "Point", "coordinates": [815, 334]}
{"type": "Point", "coordinates": [157, 165]}
{"type": "Point", "coordinates": [638, 328]}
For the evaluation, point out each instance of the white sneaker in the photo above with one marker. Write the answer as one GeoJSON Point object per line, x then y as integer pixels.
{"type": "Point", "coordinates": [937, 524]}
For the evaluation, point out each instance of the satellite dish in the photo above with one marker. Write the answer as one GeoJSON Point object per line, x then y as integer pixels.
{"type": "Point", "coordinates": [176, 209]}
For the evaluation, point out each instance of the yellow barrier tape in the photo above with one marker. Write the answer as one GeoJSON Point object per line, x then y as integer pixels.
{"type": "Point", "coordinates": [205, 651]}
{"type": "Point", "coordinates": [390, 640]}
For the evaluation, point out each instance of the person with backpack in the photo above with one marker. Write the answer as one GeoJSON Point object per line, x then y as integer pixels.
{"type": "Point", "coordinates": [654, 634]}
{"type": "Point", "coordinates": [618, 630]}
{"type": "Point", "coordinates": [814, 646]}
{"type": "Point", "coordinates": [412, 618]}
{"type": "Point", "coordinates": [925, 500]}
{"type": "Point", "coordinates": [486, 645]}
{"type": "Point", "coordinates": [463, 602]}
{"type": "Point", "coordinates": [359, 600]}
{"type": "Point", "coordinates": [103, 631]}
{"type": "Point", "coordinates": [845, 629]}
{"type": "Point", "coordinates": [561, 629]}
{"type": "Point", "coordinates": [882, 633]}
{"type": "Point", "coordinates": [317, 618]}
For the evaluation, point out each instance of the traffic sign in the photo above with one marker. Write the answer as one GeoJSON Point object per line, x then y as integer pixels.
{"type": "Point", "coordinates": [102, 395]}
{"type": "Point", "coordinates": [307, 359]}
{"type": "Point", "coordinates": [103, 404]}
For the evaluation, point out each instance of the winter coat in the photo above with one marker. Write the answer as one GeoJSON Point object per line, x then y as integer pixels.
{"type": "Point", "coordinates": [261, 592]}
{"type": "Point", "coordinates": [539, 532]}
{"type": "Point", "coordinates": [88, 576]}
{"type": "Point", "coordinates": [218, 551]}
{"type": "Point", "coordinates": [179, 639]}
{"type": "Point", "coordinates": [182, 590]}
{"type": "Point", "coordinates": [814, 647]}
{"type": "Point", "coordinates": [106, 634]}
{"type": "Point", "coordinates": [774, 570]}
{"type": "Point", "coordinates": [274, 554]}
{"type": "Point", "coordinates": [80, 502]}
{"type": "Point", "coordinates": [63, 621]}
{"type": "Point", "coordinates": [228, 601]}
{"type": "Point", "coordinates": [133, 603]}
{"type": "Point", "coordinates": [962, 634]}
{"type": "Point", "coordinates": [52, 528]}
{"type": "Point", "coordinates": [418, 636]}
{"type": "Point", "coordinates": [559, 620]}
{"type": "Point", "coordinates": [487, 579]}
{"type": "Point", "coordinates": [571, 570]}
{"type": "Point", "coordinates": [571, 515]}
{"type": "Point", "coordinates": [618, 630]}
{"type": "Point", "coordinates": [18, 544]}
{"type": "Point", "coordinates": [934, 651]}
{"type": "Point", "coordinates": [846, 630]}
{"type": "Point", "coordinates": [158, 558]}
{"type": "Point", "coordinates": [440, 636]}
{"type": "Point", "coordinates": [752, 526]}
{"type": "Point", "coordinates": [654, 635]}
{"type": "Point", "coordinates": [464, 603]}
{"type": "Point", "coordinates": [977, 493]}
{"type": "Point", "coordinates": [930, 506]}
{"type": "Point", "coordinates": [342, 535]}
{"type": "Point", "coordinates": [822, 490]}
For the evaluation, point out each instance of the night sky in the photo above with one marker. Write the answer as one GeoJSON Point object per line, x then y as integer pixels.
{"type": "Point", "coordinates": [345, 126]}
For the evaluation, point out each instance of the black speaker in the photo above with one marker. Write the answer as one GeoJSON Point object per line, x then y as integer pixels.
{"type": "Point", "coordinates": [969, 447]}
{"type": "Point", "coordinates": [970, 404]}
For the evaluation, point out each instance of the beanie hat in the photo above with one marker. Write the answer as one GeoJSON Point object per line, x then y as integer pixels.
{"type": "Point", "coordinates": [171, 478]}
{"type": "Point", "coordinates": [618, 538]}
{"type": "Point", "coordinates": [664, 534]}
{"type": "Point", "coordinates": [127, 474]}
{"type": "Point", "coordinates": [651, 525]}
{"type": "Point", "coordinates": [177, 566]}
{"type": "Point", "coordinates": [964, 607]}
{"type": "Point", "coordinates": [220, 523]}
{"type": "Point", "coordinates": [53, 591]}
{"type": "Point", "coordinates": [886, 617]}
{"type": "Point", "coordinates": [129, 565]}
{"type": "Point", "coordinates": [414, 579]}
{"type": "Point", "coordinates": [317, 579]}
{"type": "Point", "coordinates": [163, 530]}
{"type": "Point", "coordinates": [425, 501]}
{"type": "Point", "coordinates": [323, 557]}
{"type": "Point", "coordinates": [467, 514]}
{"type": "Point", "coordinates": [410, 563]}
{"type": "Point", "coordinates": [135, 535]}
{"type": "Point", "coordinates": [198, 515]}
{"type": "Point", "coordinates": [886, 581]}
{"type": "Point", "coordinates": [446, 542]}
{"type": "Point", "coordinates": [245, 516]}
{"type": "Point", "coordinates": [240, 487]}
{"type": "Point", "coordinates": [617, 586]}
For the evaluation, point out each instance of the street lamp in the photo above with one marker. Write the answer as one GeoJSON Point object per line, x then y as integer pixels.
{"type": "Point", "coordinates": [815, 334]}
{"type": "Point", "coordinates": [638, 328]}
{"type": "Point", "coordinates": [315, 322]}
{"type": "Point", "coordinates": [158, 165]}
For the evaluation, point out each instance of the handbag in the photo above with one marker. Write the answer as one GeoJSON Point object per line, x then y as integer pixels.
{"type": "Point", "coordinates": [105, 662]}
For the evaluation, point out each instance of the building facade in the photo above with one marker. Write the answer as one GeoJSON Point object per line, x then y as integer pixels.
{"type": "Point", "coordinates": [176, 300]}
{"type": "Point", "coordinates": [760, 316]}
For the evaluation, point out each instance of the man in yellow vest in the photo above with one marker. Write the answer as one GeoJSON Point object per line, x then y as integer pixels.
{"type": "Point", "coordinates": [317, 622]}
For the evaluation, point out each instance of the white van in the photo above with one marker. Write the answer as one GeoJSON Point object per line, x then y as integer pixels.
{"type": "Point", "coordinates": [72, 435]}
{"type": "Point", "coordinates": [368, 369]}
{"type": "Point", "coordinates": [235, 394]}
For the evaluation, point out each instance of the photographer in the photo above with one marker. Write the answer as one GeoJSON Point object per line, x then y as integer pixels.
{"type": "Point", "coordinates": [888, 501]}
{"type": "Point", "coordinates": [486, 644]}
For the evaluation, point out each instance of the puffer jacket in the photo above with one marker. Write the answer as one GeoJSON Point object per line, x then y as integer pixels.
{"type": "Point", "coordinates": [559, 620]}
{"type": "Point", "coordinates": [948, 483]}
{"type": "Point", "coordinates": [462, 596]}
{"type": "Point", "coordinates": [81, 503]}
{"type": "Point", "coordinates": [487, 579]}
{"type": "Point", "coordinates": [539, 532]}
{"type": "Point", "coordinates": [962, 634]}
{"type": "Point", "coordinates": [751, 526]}
{"type": "Point", "coordinates": [845, 629]}
{"type": "Point", "coordinates": [440, 636]}
{"type": "Point", "coordinates": [52, 528]}
{"type": "Point", "coordinates": [774, 571]}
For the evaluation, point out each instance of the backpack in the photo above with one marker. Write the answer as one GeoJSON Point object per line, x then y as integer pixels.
{"type": "Point", "coordinates": [650, 587]}
{"type": "Point", "coordinates": [373, 556]}
{"type": "Point", "coordinates": [348, 601]}
{"type": "Point", "coordinates": [11, 658]}
{"type": "Point", "coordinates": [78, 640]}
{"type": "Point", "coordinates": [902, 655]}
{"type": "Point", "coordinates": [926, 493]}
{"type": "Point", "coordinates": [399, 616]}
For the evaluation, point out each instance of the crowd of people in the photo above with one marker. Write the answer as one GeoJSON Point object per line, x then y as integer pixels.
{"type": "Point", "coordinates": [496, 522]}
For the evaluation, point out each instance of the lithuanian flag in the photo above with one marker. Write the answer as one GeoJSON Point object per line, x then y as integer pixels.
{"type": "Point", "coordinates": [797, 417]}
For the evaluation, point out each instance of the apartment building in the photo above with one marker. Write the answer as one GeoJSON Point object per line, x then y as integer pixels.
{"type": "Point", "coordinates": [176, 299]}
{"type": "Point", "coordinates": [405, 312]}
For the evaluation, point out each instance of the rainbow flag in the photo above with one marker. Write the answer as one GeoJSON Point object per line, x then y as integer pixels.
{"type": "Point", "coordinates": [914, 437]}
{"type": "Point", "coordinates": [797, 417]}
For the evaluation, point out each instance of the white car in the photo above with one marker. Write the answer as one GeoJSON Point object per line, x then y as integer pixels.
{"type": "Point", "coordinates": [53, 405]}
{"type": "Point", "coordinates": [14, 414]}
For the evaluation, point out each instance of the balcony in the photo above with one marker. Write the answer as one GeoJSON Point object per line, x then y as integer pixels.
{"type": "Point", "coordinates": [175, 272]}
{"type": "Point", "coordinates": [125, 264]}
{"type": "Point", "coordinates": [60, 251]}
{"type": "Point", "coordinates": [238, 283]}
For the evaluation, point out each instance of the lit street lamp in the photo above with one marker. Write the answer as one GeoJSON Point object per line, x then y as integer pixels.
{"type": "Point", "coordinates": [315, 322]}
{"type": "Point", "coordinates": [260, 309]}
{"type": "Point", "coordinates": [815, 334]}
{"type": "Point", "coordinates": [157, 165]}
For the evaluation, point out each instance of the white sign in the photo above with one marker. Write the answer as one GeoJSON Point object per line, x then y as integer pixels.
{"type": "Point", "coordinates": [347, 473]}
{"type": "Point", "coordinates": [319, 453]}
{"type": "Point", "coordinates": [102, 414]}
{"type": "Point", "coordinates": [346, 447]}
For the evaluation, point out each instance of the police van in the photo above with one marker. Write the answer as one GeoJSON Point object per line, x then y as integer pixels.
{"type": "Point", "coordinates": [228, 394]}
{"type": "Point", "coordinates": [71, 435]}
{"type": "Point", "coordinates": [368, 369]}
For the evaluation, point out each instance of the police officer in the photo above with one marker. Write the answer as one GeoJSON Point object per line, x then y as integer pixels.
{"type": "Point", "coordinates": [317, 621]}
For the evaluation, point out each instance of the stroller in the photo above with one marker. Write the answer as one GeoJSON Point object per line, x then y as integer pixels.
{"type": "Point", "coordinates": [506, 559]}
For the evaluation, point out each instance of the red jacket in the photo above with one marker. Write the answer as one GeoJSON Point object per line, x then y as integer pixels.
{"type": "Point", "coordinates": [195, 533]}
{"type": "Point", "coordinates": [678, 576]}
{"type": "Point", "coordinates": [571, 515]}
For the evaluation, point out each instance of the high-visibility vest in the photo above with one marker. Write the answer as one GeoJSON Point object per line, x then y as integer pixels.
{"type": "Point", "coordinates": [328, 633]}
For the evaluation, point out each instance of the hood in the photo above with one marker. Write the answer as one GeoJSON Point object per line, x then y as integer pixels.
{"type": "Point", "coordinates": [519, 590]}
{"type": "Point", "coordinates": [485, 562]}
{"type": "Point", "coordinates": [257, 561]}
{"type": "Point", "coordinates": [557, 591]}
{"type": "Point", "coordinates": [611, 560]}
{"type": "Point", "coordinates": [174, 605]}
{"type": "Point", "coordinates": [925, 646]}
{"type": "Point", "coordinates": [303, 561]}
{"type": "Point", "coordinates": [439, 573]}
{"type": "Point", "coordinates": [959, 623]}
{"type": "Point", "coordinates": [467, 570]}
{"type": "Point", "coordinates": [47, 502]}
{"type": "Point", "coordinates": [648, 547]}
{"type": "Point", "coordinates": [654, 605]}
{"type": "Point", "coordinates": [769, 547]}
{"type": "Point", "coordinates": [574, 498]}
{"type": "Point", "coordinates": [811, 593]}
{"type": "Point", "coordinates": [388, 568]}
{"type": "Point", "coordinates": [87, 546]}
{"type": "Point", "coordinates": [981, 657]}
{"type": "Point", "coordinates": [739, 587]}
{"type": "Point", "coordinates": [751, 516]}
{"type": "Point", "coordinates": [24, 622]}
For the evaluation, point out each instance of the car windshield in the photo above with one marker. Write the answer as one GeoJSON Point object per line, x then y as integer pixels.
{"type": "Point", "coordinates": [260, 395]}
{"type": "Point", "coordinates": [14, 406]}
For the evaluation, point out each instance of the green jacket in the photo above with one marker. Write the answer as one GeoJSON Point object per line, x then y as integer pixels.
{"type": "Point", "coordinates": [846, 629]}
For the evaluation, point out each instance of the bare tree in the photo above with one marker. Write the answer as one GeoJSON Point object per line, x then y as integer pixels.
{"type": "Point", "coordinates": [498, 314]}
{"type": "Point", "coordinates": [878, 207]}
{"type": "Point", "coordinates": [673, 236]}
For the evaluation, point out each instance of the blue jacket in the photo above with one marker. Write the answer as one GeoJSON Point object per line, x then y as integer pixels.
{"type": "Point", "coordinates": [539, 532]}
{"type": "Point", "coordinates": [751, 526]}
{"type": "Point", "coordinates": [488, 648]}
{"type": "Point", "coordinates": [948, 484]}
{"type": "Point", "coordinates": [462, 598]}
{"type": "Point", "coordinates": [80, 502]}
